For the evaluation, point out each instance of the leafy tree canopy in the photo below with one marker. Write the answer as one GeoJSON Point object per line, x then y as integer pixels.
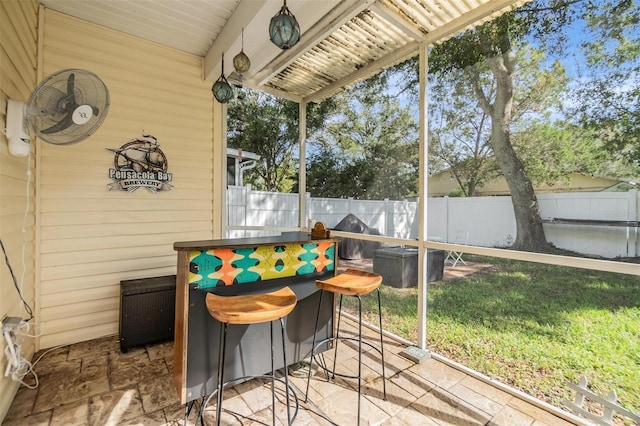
{"type": "Point", "coordinates": [369, 149]}
{"type": "Point", "coordinates": [268, 126]}
{"type": "Point", "coordinates": [607, 98]}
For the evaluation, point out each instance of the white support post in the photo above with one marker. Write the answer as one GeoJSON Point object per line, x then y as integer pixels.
{"type": "Point", "coordinates": [633, 234]}
{"type": "Point", "coordinates": [388, 217]}
{"type": "Point", "coordinates": [248, 208]}
{"type": "Point", "coordinates": [302, 165]}
{"type": "Point", "coordinates": [307, 210]}
{"type": "Point", "coordinates": [220, 219]}
{"type": "Point", "coordinates": [422, 202]}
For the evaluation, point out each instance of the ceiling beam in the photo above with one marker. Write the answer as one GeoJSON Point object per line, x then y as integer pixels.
{"type": "Point", "coordinates": [395, 19]}
{"type": "Point", "coordinates": [249, 11]}
{"type": "Point", "coordinates": [236, 79]}
{"type": "Point", "coordinates": [245, 13]}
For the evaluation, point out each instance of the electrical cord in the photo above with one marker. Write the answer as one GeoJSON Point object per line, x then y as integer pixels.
{"type": "Point", "coordinates": [17, 366]}
{"type": "Point", "coordinates": [24, 244]}
{"type": "Point", "coordinates": [15, 282]}
{"type": "Point", "coordinates": [24, 227]}
{"type": "Point", "coordinates": [10, 352]}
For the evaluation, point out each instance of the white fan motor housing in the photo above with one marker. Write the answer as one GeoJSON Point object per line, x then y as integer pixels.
{"type": "Point", "coordinates": [18, 139]}
{"type": "Point", "coordinates": [82, 114]}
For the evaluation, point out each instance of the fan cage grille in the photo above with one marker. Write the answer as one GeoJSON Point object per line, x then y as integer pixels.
{"type": "Point", "coordinates": [50, 108]}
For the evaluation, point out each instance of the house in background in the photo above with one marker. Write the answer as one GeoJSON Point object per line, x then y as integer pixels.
{"type": "Point", "coordinates": [443, 184]}
{"type": "Point", "coordinates": [238, 162]}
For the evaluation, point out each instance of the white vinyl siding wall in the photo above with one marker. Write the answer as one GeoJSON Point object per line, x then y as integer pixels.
{"type": "Point", "coordinates": [92, 238]}
{"type": "Point", "coordinates": [18, 47]}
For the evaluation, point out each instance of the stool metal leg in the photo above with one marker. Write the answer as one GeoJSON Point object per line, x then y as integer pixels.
{"type": "Point", "coordinates": [220, 386]}
{"type": "Point", "coordinates": [359, 353]}
{"type": "Point", "coordinates": [313, 347]}
{"type": "Point", "coordinates": [337, 339]}
{"type": "Point", "coordinates": [187, 410]}
{"type": "Point", "coordinates": [221, 358]}
{"type": "Point", "coordinates": [384, 383]}
{"type": "Point", "coordinates": [273, 377]}
{"type": "Point", "coordinates": [286, 372]}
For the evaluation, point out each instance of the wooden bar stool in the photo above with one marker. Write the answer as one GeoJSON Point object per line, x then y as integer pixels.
{"type": "Point", "coordinates": [250, 309]}
{"type": "Point", "coordinates": [352, 282]}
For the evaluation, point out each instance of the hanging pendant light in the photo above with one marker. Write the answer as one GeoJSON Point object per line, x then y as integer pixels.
{"type": "Point", "coordinates": [241, 61]}
{"type": "Point", "coordinates": [284, 30]}
{"type": "Point", "coordinates": [221, 89]}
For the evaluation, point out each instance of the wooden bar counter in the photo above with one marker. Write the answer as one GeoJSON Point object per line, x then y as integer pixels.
{"type": "Point", "coordinates": [246, 266]}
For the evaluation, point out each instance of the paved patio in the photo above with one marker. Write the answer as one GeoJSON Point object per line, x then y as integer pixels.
{"type": "Point", "coordinates": [93, 383]}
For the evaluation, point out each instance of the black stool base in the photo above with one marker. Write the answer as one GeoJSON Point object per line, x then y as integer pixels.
{"type": "Point", "coordinates": [358, 340]}
{"type": "Point", "coordinates": [239, 380]}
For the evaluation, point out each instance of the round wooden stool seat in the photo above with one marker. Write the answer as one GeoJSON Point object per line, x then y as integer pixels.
{"type": "Point", "coordinates": [352, 282]}
{"type": "Point", "coordinates": [251, 308]}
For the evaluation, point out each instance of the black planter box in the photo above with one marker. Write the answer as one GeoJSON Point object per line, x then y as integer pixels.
{"type": "Point", "coordinates": [399, 266]}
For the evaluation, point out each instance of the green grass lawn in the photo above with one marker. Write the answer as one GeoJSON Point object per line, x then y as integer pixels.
{"type": "Point", "coordinates": [532, 326]}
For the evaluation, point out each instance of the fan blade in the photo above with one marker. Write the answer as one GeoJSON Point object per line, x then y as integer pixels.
{"type": "Point", "coordinates": [68, 103]}
{"type": "Point", "coordinates": [66, 122]}
{"type": "Point", "coordinates": [96, 111]}
{"type": "Point", "coordinates": [71, 84]}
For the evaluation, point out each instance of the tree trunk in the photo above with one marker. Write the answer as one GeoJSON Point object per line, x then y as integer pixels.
{"type": "Point", "coordinates": [529, 231]}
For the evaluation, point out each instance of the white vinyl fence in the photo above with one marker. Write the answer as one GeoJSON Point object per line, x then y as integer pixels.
{"type": "Point", "coordinates": [479, 221]}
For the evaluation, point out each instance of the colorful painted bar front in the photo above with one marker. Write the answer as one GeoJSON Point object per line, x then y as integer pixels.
{"type": "Point", "coordinates": [229, 266]}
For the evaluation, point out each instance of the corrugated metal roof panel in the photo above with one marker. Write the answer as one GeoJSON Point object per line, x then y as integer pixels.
{"type": "Point", "coordinates": [362, 40]}
{"type": "Point", "coordinates": [377, 32]}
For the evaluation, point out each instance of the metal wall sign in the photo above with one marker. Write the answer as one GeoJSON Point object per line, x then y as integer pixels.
{"type": "Point", "coordinates": [140, 163]}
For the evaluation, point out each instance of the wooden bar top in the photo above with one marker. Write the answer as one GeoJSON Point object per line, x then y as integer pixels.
{"type": "Point", "coordinates": [287, 237]}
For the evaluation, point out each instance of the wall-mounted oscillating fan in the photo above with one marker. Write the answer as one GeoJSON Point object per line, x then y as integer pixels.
{"type": "Point", "coordinates": [66, 107]}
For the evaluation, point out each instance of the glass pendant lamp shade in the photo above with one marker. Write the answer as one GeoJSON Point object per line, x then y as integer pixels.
{"type": "Point", "coordinates": [241, 61]}
{"type": "Point", "coordinates": [221, 89]}
{"type": "Point", "coordinates": [284, 30]}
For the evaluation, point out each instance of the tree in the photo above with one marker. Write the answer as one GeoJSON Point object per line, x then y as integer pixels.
{"type": "Point", "coordinates": [492, 48]}
{"type": "Point", "coordinates": [459, 138]}
{"type": "Point", "coordinates": [552, 152]}
{"type": "Point", "coordinates": [607, 103]}
{"type": "Point", "coordinates": [458, 133]}
{"type": "Point", "coordinates": [268, 126]}
{"type": "Point", "coordinates": [369, 150]}
{"type": "Point", "coordinates": [608, 98]}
